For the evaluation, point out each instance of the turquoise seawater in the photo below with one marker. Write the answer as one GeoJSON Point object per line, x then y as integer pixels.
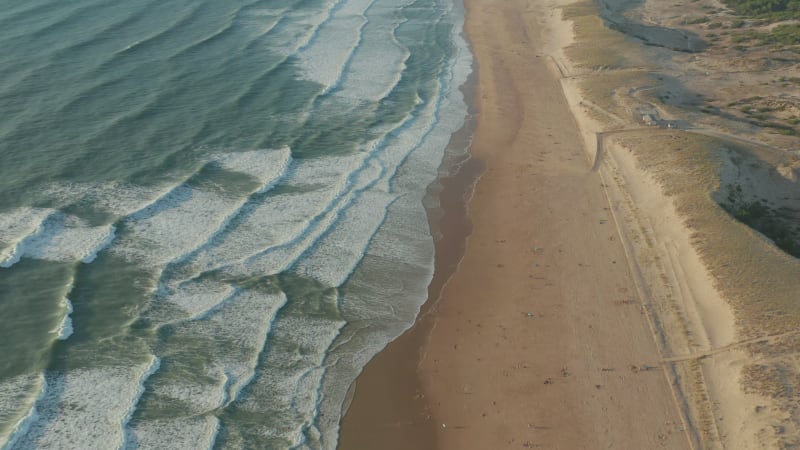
{"type": "Point", "coordinates": [211, 212]}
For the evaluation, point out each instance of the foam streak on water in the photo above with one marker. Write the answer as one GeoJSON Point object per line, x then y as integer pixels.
{"type": "Point", "coordinates": [75, 409]}
{"type": "Point", "coordinates": [219, 205]}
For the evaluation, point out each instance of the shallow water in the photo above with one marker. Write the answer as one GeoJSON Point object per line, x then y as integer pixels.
{"type": "Point", "coordinates": [211, 213]}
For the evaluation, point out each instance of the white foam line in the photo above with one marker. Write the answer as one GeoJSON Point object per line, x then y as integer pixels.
{"type": "Point", "coordinates": [295, 39]}
{"type": "Point", "coordinates": [280, 259]}
{"type": "Point", "coordinates": [334, 256]}
{"type": "Point", "coordinates": [101, 245]}
{"type": "Point", "coordinates": [268, 166]}
{"type": "Point", "coordinates": [200, 297]}
{"type": "Point", "coordinates": [64, 330]}
{"type": "Point", "coordinates": [237, 386]}
{"type": "Point", "coordinates": [292, 383]}
{"type": "Point", "coordinates": [15, 227]}
{"type": "Point", "coordinates": [254, 164]}
{"type": "Point", "coordinates": [188, 220]}
{"type": "Point", "coordinates": [67, 238]}
{"type": "Point", "coordinates": [328, 54]}
{"type": "Point", "coordinates": [155, 364]}
{"type": "Point", "coordinates": [84, 408]}
{"type": "Point", "coordinates": [278, 223]}
{"type": "Point", "coordinates": [365, 79]}
{"type": "Point", "coordinates": [277, 258]}
{"type": "Point", "coordinates": [182, 433]}
{"type": "Point", "coordinates": [12, 387]}
{"type": "Point", "coordinates": [245, 321]}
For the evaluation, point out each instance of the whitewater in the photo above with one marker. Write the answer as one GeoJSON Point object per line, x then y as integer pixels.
{"type": "Point", "coordinates": [213, 214]}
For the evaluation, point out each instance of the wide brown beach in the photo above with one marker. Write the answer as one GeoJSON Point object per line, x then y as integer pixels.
{"type": "Point", "coordinates": [609, 302]}
{"type": "Point", "coordinates": [538, 339]}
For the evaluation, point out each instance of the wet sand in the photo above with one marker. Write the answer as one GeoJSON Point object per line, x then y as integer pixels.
{"type": "Point", "coordinates": [539, 339]}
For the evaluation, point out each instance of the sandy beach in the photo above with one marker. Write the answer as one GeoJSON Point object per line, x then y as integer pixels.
{"type": "Point", "coordinates": [539, 338]}
{"type": "Point", "coordinates": [606, 298]}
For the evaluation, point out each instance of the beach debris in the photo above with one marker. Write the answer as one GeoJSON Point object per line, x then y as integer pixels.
{"type": "Point", "coordinates": [444, 425]}
{"type": "Point", "coordinates": [549, 381]}
{"type": "Point", "coordinates": [607, 369]}
{"type": "Point", "coordinates": [537, 249]}
{"type": "Point", "coordinates": [598, 386]}
{"type": "Point", "coordinates": [565, 373]}
{"type": "Point", "coordinates": [530, 314]}
{"type": "Point", "coordinates": [642, 368]}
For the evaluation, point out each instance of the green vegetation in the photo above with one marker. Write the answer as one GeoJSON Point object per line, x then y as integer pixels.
{"type": "Point", "coordinates": [769, 9]}
{"type": "Point", "coordinates": [770, 222]}
{"type": "Point", "coordinates": [782, 34]}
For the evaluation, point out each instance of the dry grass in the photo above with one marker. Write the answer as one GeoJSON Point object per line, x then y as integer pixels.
{"type": "Point", "coordinates": [595, 47]}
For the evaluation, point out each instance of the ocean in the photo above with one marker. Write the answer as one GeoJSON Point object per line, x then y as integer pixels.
{"type": "Point", "coordinates": [213, 213]}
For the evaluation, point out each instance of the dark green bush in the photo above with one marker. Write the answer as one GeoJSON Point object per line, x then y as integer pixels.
{"type": "Point", "coordinates": [771, 9]}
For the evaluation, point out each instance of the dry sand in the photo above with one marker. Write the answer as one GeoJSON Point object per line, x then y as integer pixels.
{"type": "Point", "coordinates": [540, 337]}
{"type": "Point", "coordinates": [608, 303]}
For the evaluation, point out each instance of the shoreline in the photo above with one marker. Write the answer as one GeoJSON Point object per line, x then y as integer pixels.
{"type": "Point", "coordinates": [367, 422]}
{"type": "Point", "coordinates": [428, 383]}
{"type": "Point", "coordinates": [658, 323]}
{"type": "Point", "coordinates": [433, 384]}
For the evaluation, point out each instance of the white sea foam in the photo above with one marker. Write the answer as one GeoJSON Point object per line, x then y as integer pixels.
{"type": "Point", "coordinates": [365, 79]}
{"type": "Point", "coordinates": [116, 198]}
{"type": "Point", "coordinates": [296, 362]}
{"type": "Point", "coordinates": [265, 165]}
{"type": "Point", "coordinates": [172, 226]}
{"type": "Point", "coordinates": [64, 330]}
{"type": "Point", "coordinates": [16, 225]}
{"type": "Point", "coordinates": [67, 238]}
{"type": "Point", "coordinates": [196, 398]}
{"type": "Point", "coordinates": [17, 398]}
{"type": "Point", "coordinates": [198, 297]}
{"type": "Point", "coordinates": [400, 242]}
{"type": "Point", "coordinates": [273, 222]}
{"type": "Point", "coordinates": [325, 57]}
{"type": "Point", "coordinates": [322, 222]}
{"type": "Point", "coordinates": [194, 433]}
{"type": "Point", "coordinates": [299, 27]}
{"type": "Point", "coordinates": [84, 408]}
{"type": "Point", "coordinates": [61, 237]}
{"type": "Point", "coordinates": [242, 323]}
{"type": "Point", "coordinates": [324, 61]}
{"type": "Point", "coordinates": [274, 227]}
{"type": "Point", "coordinates": [188, 219]}
{"type": "Point", "coordinates": [334, 257]}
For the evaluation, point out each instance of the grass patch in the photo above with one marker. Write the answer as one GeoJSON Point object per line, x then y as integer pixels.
{"type": "Point", "coordinates": [774, 10]}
